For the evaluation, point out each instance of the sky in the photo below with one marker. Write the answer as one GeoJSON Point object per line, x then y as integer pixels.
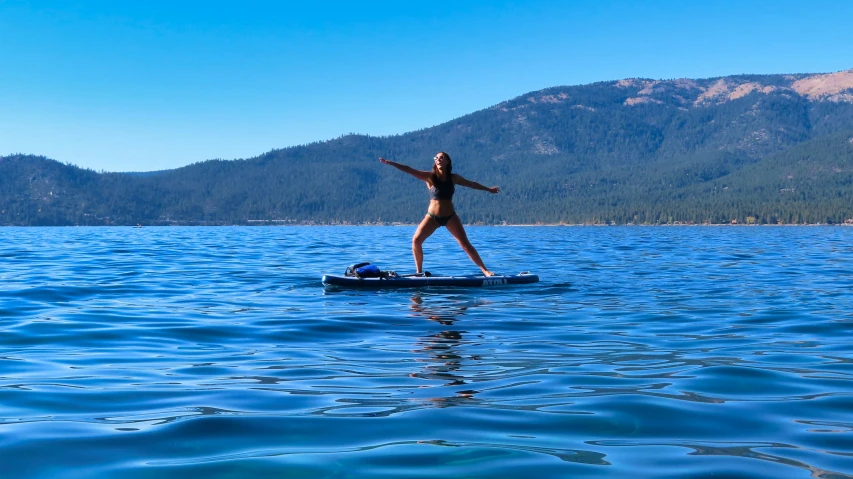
{"type": "Point", "coordinates": [152, 85]}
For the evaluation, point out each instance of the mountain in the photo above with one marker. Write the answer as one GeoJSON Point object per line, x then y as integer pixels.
{"type": "Point", "coordinates": [748, 148]}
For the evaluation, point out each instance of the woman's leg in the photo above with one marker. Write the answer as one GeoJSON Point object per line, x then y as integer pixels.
{"type": "Point", "coordinates": [425, 229]}
{"type": "Point", "coordinates": [458, 232]}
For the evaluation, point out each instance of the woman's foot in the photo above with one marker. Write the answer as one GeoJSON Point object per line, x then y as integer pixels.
{"type": "Point", "coordinates": [487, 273]}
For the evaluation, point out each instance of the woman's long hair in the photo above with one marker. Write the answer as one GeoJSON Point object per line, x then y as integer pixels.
{"type": "Point", "coordinates": [436, 175]}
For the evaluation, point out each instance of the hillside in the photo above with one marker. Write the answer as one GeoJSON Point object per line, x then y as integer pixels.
{"type": "Point", "coordinates": [763, 148]}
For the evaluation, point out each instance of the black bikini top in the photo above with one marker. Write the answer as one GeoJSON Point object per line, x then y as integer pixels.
{"type": "Point", "coordinates": [442, 190]}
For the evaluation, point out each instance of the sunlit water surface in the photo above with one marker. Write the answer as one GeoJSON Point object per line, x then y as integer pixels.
{"type": "Point", "coordinates": [215, 352]}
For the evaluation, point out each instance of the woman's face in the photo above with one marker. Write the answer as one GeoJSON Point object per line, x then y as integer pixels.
{"type": "Point", "coordinates": [441, 161]}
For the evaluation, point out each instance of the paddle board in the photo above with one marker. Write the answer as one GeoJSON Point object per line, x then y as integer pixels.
{"type": "Point", "coordinates": [469, 281]}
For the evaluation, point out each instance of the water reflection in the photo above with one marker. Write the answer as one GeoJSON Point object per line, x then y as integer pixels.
{"type": "Point", "coordinates": [443, 313]}
{"type": "Point", "coordinates": [445, 357]}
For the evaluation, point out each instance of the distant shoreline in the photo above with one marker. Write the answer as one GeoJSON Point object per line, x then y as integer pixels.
{"type": "Point", "coordinates": [548, 225]}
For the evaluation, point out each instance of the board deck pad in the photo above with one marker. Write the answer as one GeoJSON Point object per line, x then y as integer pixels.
{"type": "Point", "coordinates": [465, 281]}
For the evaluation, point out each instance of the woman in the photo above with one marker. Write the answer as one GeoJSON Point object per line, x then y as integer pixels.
{"type": "Point", "coordinates": [441, 182]}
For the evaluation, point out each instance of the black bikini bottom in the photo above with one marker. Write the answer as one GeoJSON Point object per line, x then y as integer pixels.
{"type": "Point", "coordinates": [442, 220]}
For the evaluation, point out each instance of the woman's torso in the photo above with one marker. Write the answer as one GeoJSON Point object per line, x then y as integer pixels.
{"type": "Point", "coordinates": [441, 197]}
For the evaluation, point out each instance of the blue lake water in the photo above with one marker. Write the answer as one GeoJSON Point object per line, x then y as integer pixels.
{"type": "Point", "coordinates": [215, 352]}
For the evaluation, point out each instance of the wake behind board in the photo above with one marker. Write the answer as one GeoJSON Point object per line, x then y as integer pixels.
{"type": "Point", "coordinates": [469, 281]}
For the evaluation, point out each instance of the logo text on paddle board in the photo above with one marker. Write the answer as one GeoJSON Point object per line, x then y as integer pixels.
{"type": "Point", "coordinates": [494, 282]}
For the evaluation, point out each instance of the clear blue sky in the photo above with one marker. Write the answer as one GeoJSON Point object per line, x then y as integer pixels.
{"type": "Point", "coordinates": [147, 85]}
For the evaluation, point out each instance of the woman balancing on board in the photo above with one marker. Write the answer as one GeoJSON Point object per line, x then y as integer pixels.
{"type": "Point", "coordinates": [441, 182]}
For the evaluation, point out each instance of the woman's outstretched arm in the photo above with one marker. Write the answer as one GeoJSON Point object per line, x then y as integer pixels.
{"type": "Point", "coordinates": [421, 175]}
{"type": "Point", "coordinates": [473, 184]}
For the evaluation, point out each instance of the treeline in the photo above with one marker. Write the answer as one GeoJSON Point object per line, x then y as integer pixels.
{"type": "Point", "coordinates": [583, 154]}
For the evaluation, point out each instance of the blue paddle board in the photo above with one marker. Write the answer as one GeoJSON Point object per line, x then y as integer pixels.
{"type": "Point", "coordinates": [469, 281]}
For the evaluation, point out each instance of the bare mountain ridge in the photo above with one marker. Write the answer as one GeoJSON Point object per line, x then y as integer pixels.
{"type": "Point", "coordinates": [835, 87]}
